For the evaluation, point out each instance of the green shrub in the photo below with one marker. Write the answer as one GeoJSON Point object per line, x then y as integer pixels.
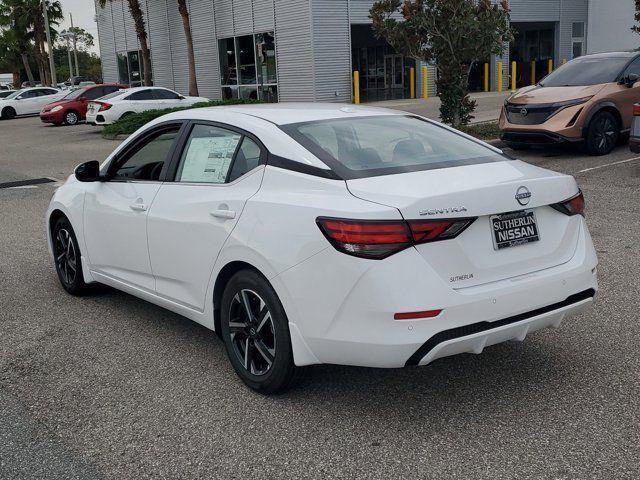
{"type": "Point", "coordinates": [483, 131]}
{"type": "Point", "coordinates": [132, 122]}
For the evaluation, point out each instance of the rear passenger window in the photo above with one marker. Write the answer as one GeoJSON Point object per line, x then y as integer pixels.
{"type": "Point", "coordinates": [208, 155]}
{"type": "Point", "coordinates": [141, 95]}
{"type": "Point", "coordinates": [247, 158]}
{"type": "Point", "coordinates": [94, 93]}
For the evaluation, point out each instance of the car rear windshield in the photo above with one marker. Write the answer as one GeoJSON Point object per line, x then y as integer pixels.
{"type": "Point", "coordinates": [383, 145]}
{"type": "Point", "coordinates": [586, 71]}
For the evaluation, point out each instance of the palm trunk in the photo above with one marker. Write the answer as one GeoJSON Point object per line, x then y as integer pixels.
{"type": "Point", "coordinates": [184, 13]}
{"type": "Point", "coordinates": [16, 78]}
{"type": "Point", "coordinates": [141, 32]}
{"type": "Point", "coordinates": [27, 68]}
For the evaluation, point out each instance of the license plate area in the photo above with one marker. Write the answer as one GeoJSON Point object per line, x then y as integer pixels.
{"type": "Point", "coordinates": [513, 229]}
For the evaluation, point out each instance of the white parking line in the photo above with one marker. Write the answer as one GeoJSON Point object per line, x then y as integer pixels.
{"type": "Point", "coordinates": [610, 164]}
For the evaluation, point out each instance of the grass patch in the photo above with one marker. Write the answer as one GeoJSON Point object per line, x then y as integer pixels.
{"type": "Point", "coordinates": [483, 131]}
{"type": "Point", "coordinates": [132, 122]}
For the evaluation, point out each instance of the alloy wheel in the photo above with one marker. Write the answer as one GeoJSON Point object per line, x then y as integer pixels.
{"type": "Point", "coordinates": [252, 332]}
{"type": "Point", "coordinates": [71, 118]}
{"type": "Point", "coordinates": [66, 258]}
{"type": "Point", "coordinates": [605, 134]}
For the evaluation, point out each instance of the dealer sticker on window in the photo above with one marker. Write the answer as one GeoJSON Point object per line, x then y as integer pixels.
{"type": "Point", "coordinates": [513, 229]}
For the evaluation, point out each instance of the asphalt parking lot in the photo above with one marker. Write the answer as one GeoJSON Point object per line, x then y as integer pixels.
{"type": "Point", "coordinates": [110, 386]}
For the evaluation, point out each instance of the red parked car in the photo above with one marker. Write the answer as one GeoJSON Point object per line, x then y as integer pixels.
{"type": "Point", "coordinates": [72, 108]}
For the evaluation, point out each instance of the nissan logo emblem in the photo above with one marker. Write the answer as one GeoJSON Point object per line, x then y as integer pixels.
{"type": "Point", "coordinates": [524, 112]}
{"type": "Point", "coordinates": [523, 195]}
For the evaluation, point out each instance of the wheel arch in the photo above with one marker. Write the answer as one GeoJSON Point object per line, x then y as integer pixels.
{"type": "Point", "coordinates": [601, 107]}
{"type": "Point", "coordinates": [7, 109]}
{"type": "Point", "coordinates": [223, 277]}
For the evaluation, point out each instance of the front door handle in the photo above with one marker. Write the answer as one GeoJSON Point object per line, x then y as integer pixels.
{"type": "Point", "coordinates": [138, 207]}
{"type": "Point", "coordinates": [226, 214]}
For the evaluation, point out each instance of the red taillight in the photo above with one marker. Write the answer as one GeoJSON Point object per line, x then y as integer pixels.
{"type": "Point", "coordinates": [636, 109]}
{"type": "Point", "coordinates": [573, 206]}
{"type": "Point", "coordinates": [417, 315]}
{"type": "Point", "coordinates": [377, 239]}
{"type": "Point", "coordinates": [104, 106]}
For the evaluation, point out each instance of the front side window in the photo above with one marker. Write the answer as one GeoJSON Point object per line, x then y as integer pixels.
{"type": "Point", "coordinates": [146, 161]}
{"type": "Point", "coordinates": [383, 145]}
{"type": "Point", "coordinates": [208, 155]}
{"type": "Point", "coordinates": [586, 71]}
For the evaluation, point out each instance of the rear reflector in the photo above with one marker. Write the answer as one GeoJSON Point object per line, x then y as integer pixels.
{"type": "Point", "coordinates": [636, 109]}
{"type": "Point", "coordinates": [572, 206]}
{"type": "Point", "coordinates": [378, 239]}
{"type": "Point", "coordinates": [417, 315]}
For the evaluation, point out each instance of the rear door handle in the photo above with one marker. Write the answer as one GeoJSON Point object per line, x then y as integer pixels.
{"type": "Point", "coordinates": [138, 207]}
{"type": "Point", "coordinates": [226, 214]}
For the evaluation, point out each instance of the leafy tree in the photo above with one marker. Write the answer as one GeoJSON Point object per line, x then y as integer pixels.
{"type": "Point", "coordinates": [184, 13]}
{"type": "Point", "coordinates": [88, 63]}
{"type": "Point", "coordinates": [452, 33]}
{"type": "Point", "coordinates": [636, 27]}
{"type": "Point", "coordinates": [141, 32]}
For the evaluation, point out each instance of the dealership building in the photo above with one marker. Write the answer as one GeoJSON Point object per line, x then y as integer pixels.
{"type": "Point", "coordinates": [307, 50]}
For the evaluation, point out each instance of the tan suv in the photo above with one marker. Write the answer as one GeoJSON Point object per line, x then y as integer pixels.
{"type": "Point", "coordinates": [587, 101]}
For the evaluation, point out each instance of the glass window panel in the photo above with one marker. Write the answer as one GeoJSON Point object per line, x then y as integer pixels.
{"type": "Point", "coordinates": [247, 159]}
{"type": "Point", "coordinates": [269, 94]}
{"type": "Point", "coordinates": [146, 162]}
{"type": "Point", "coordinates": [228, 62]}
{"type": "Point", "coordinates": [229, 93]}
{"type": "Point", "coordinates": [123, 68]}
{"type": "Point", "coordinates": [248, 93]}
{"type": "Point", "coordinates": [208, 155]}
{"type": "Point", "coordinates": [577, 30]}
{"type": "Point", "coordinates": [135, 73]}
{"type": "Point", "coordinates": [577, 49]}
{"type": "Point", "coordinates": [266, 58]}
{"type": "Point", "coordinates": [246, 59]}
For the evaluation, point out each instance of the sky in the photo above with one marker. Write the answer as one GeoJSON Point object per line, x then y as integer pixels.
{"type": "Point", "coordinates": [83, 12]}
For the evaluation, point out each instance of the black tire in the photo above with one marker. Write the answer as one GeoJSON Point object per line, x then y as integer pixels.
{"type": "Point", "coordinates": [603, 134]}
{"type": "Point", "coordinates": [71, 117]}
{"type": "Point", "coordinates": [258, 346]}
{"type": "Point", "coordinates": [8, 113]}
{"type": "Point", "coordinates": [67, 258]}
{"type": "Point", "coordinates": [125, 115]}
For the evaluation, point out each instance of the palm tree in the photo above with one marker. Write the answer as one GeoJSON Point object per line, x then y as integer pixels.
{"type": "Point", "coordinates": [35, 16]}
{"type": "Point", "coordinates": [10, 57]}
{"type": "Point", "coordinates": [141, 32]}
{"type": "Point", "coordinates": [16, 34]}
{"type": "Point", "coordinates": [184, 13]}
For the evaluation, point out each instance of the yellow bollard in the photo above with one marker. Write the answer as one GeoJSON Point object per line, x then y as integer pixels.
{"type": "Point", "coordinates": [550, 66]}
{"type": "Point", "coordinates": [412, 82]}
{"type": "Point", "coordinates": [356, 87]}
{"type": "Point", "coordinates": [564, 60]}
{"type": "Point", "coordinates": [425, 82]}
{"type": "Point", "coordinates": [499, 76]}
{"type": "Point", "coordinates": [486, 77]}
{"type": "Point", "coordinates": [533, 72]}
{"type": "Point", "coordinates": [514, 71]}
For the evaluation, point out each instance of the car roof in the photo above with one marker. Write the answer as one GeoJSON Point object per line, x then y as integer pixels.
{"type": "Point", "coordinates": [621, 54]}
{"type": "Point", "coordinates": [287, 113]}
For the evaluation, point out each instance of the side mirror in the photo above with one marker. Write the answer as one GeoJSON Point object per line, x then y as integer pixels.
{"type": "Point", "coordinates": [19, 97]}
{"type": "Point", "coordinates": [181, 97]}
{"type": "Point", "coordinates": [631, 79]}
{"type": "Point", "coordinates": [88, 171]}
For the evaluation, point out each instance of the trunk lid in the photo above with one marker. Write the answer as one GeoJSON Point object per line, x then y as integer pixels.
{"type": "Point", "coordinates": [481, 191]}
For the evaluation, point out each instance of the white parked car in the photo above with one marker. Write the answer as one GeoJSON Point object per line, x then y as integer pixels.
{"type": "Point", "coordinates": [28, 101]}
{"type": "Point", "coordinates": [112, 107]}
{"type": "Point", "coordinates": [312, 233]}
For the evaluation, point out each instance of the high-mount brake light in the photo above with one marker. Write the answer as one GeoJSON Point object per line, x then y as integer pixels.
{"type": "Point", "coordinates": [378, 239]}
{"type": "Point", "coordinates": [636, 110]}
{"type": "Point", "coordinates": [572, 206]}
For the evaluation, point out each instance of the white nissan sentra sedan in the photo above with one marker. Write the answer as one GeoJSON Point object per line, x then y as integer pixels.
{"type": "Point", "coordinates": [312, 233]}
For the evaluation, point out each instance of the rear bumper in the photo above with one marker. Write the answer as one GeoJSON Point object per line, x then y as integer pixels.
{"type": "Point", "coordinates": [344, 313]}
